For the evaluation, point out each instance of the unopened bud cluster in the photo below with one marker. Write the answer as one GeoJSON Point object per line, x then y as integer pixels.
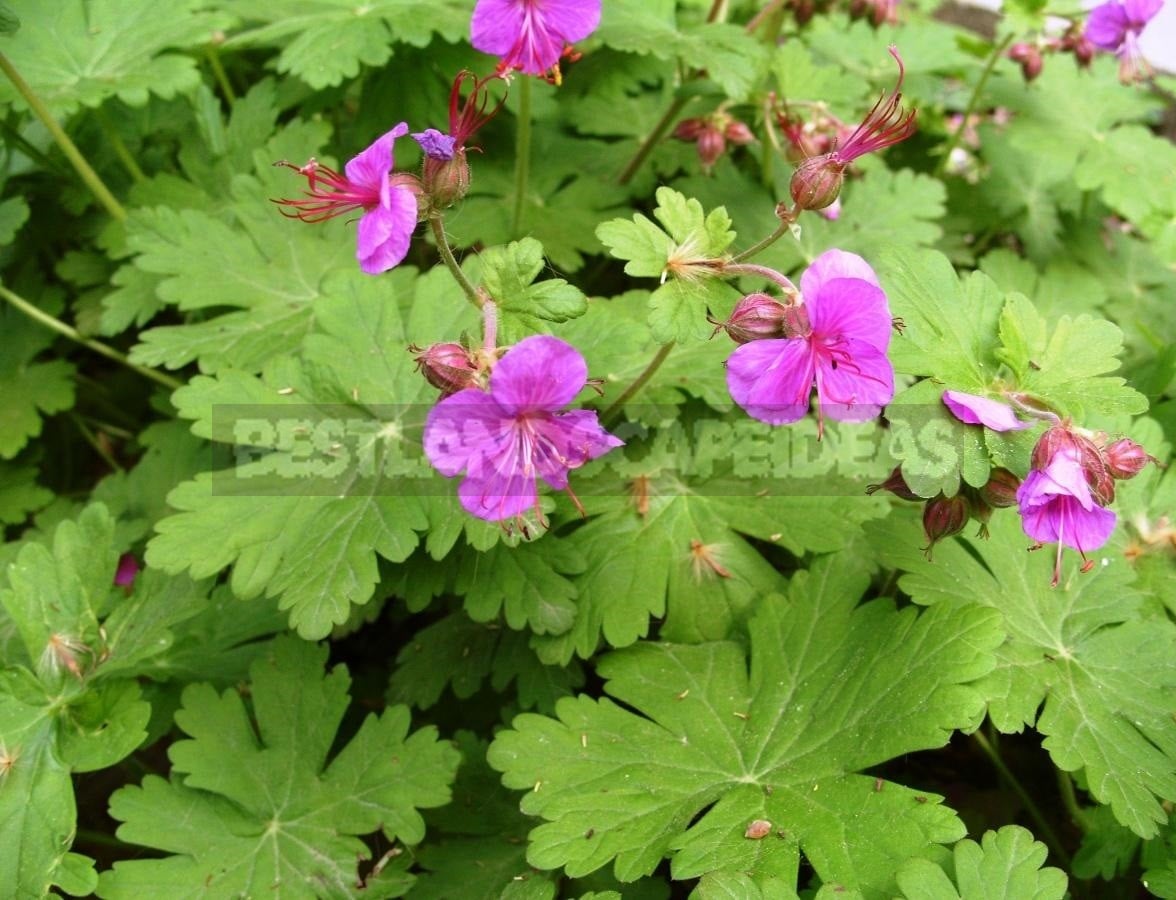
{"type": "Point", "coordinates": [711, 134]}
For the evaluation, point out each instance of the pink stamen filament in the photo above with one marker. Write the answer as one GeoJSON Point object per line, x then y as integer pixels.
{"type": "Point", "coordinates": [330, 194]}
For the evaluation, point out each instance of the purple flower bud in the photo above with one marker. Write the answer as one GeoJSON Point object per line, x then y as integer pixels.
{"type": "Point", "coordinates": [756, 317]}
{"type": "Point", "coordinates": [1030, 58]}
{"type": "Point", "coordinates": [1126, 459]}
{"type": "Point", "coordinates": [449, 367]}
{"type": "Point", "coordinates": [943, 517]}
{"type": "Point", "coordinates": [738, 133]}
{"type": "Point", "coordinates": [896, 484]}
{"type": "Point", "coordinates": [689, 129]}
{"type": "Point", "coordinates": [1000, 491]}
{"type": "Point", "coordinates": [711, 146]}
{"type": "Point", "coordinates": [446, 180]}
{"type": "Point", "coordinates": [128, 568]}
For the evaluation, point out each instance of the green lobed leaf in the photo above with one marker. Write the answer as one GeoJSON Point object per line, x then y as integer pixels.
{"type": "Point", "coordinates": [324, 42]}
{"type": "Point", "coordinates": [81, 52]}
{"type": "Point", "coordinates": [20, 494]}
{"type": "Point", "coordinates": [295, 518]}
{"type": "Point", "coordinates": [1005, 865]}
{"type": "Point", "coordinates": [1082, 663]}
{"type": "Point", "coordinates": [831, 690]}
{"type": "Point", "coordinates": [509, 272]}
{"type": "Point", "coordinates": [251, 805]}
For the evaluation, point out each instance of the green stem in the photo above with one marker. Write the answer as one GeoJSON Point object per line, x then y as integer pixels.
{"type": "Point", "coordinates": [522, 155]}
{"type": "Point", "coordinates": [782, 229]}
{"type": "Point", "coordinates": [219, 73]}
{"type": "Point", "coordinates": [772, 275]}
{"type": "Point", "coordinates": [99, 838]}
{"type": "Point", "coordinates": [74, 335]}
{"type": "Point", "coordinates": [973, 102]}
{"type": "Point", "coordinates": [652, 139]}
{"type": "Point", "coordinates": [1044, 829]}
{"type": "Point", "coordinates": [120, 148]}
{"type": "Point", "coordinates": [1070, 801]}
{"type": "Point", "coordinates": [614, 408]}
{"type": "Point", "coordinates": [451, 263]}
{"type": "Point", "coordinates": [83, 168]}
{"type": "Point", "coordinates": [95, 444]}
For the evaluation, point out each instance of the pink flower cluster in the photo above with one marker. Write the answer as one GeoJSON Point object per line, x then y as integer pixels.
{"type": "Point", "coordinates": [1064, 498]}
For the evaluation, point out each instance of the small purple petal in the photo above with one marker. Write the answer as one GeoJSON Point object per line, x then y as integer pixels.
{"type": "Point", "coordinates": [436, 144]}
{"type": "Point", "coordinates": [1106, 26]}
{"type": "Point", "coordinates": [772, 380]}
{"type": "Point", "coordinates": [1056, 505]}
{"type": "Point", "coordinates": [461, 428]}
{"type": "Point", "coordinates": [992, 414]}
{"type": "Point", "coordinates": [1140, 12]}
{"type": "Point", "coordinates": [128, 568]}
{"type": "Point", "coordinates": [539, 373]}
{"type": "Point", "coordinates": [498, 497]}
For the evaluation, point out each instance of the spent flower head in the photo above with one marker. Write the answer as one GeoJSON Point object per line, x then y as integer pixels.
{"type": "Point", "coordinates": [388, 201]}
{"type": "Point", "coordinates": [817, 181]}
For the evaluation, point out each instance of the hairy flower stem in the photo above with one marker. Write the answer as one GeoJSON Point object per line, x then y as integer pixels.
{"type": "Point", "coordinates": [522, 155]}
{"type": "Point", "coordinates": [74, 335]}
{"type": "Point", "coordinates": [467, 287]}
{"type": "Point", "coordinates": [613, 410]}
{"type": "Point", "coordinates": [72, 153]}
{"type": "Point", "coordinates": [764, 272]}
{"type": "Point", "coordinates": [489, 326]}
{"type": "Point", "coordinates": [973, 101]}
{"type": "Point", "coordinates": [786, 223]}
{"type": "Point", "coordinates": [1045, 830]}
{"type": "Point", "coordinates": [652, 139]}
{"type": "Point", "coordinates": [219, 73]}
{"type": "Point", "coordinates": [119, 146]}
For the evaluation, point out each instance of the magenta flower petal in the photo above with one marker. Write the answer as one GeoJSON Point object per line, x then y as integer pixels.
{"type": "Point", "coordinates": [128, 568]}
{"type": "Point", "coordinates": [772, 379]}
{"type": "Point", "coordinates": [371, 167]}
{"type": "Point", "coordinates": [498, 496]}
{"type": "Point", "coordinates": [459, 427]}
{"type": "Point", "coordinates": [506, 439]}
{"type": "Point", "coordinates": [973, 410]}
{"type": "Point", "coordinates": [1056, 505]}
{"type": "Point", "coordinates": [530, 35]}
{"type": "Point", "coordinates": [385, 233]}
{"type": "Point", "coordinates": [1113, 24]}
{"type": "Point", "coordinates": [857, 387]}
{"type": "Point", "coordinates": [850, 308]}
{"type": "Point", "coordinates": [538, 373]}
{"type": "Point", "coordinates": [835, 264]}
{"type": "Point", "coordinates": [1142, 11]}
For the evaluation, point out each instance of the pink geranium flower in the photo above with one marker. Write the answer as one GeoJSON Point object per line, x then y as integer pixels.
{"type": "Point", "coordinates": [530, 35]}
{"type": "Point", "coordinates": [1116, 25]}
{"type": "Point", "coordinates": [973, 410]}
{"type": "Point", "coordinates": [841, 335]}
{"type": "Point", "coordinates": [388, 201]}
{"type": "Point", "coordinates": [1056, 505]}
{"type": "Point", "coordinates": [506, 439]}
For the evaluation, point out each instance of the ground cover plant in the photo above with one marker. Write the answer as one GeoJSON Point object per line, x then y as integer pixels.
{"type": "Point", "coordinates": [563, 448]}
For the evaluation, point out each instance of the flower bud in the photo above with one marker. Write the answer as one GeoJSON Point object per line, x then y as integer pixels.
{"type": "Point", "coordinates": [1000, 491]}
{"type": "Point", "coordinates": [756, 317]}
{"type": "Point", "coordinates": [711, 146]}
{"type": "Point", "coordinates": [943, 517]}
{"type": "Point", "coordinates": [689, 129]}
{"type": "Point", "coordinates": [1059, 438]}
{"type": "Point", "coordinates": [816, 183]}
{"type": "Point", "coordinates": [738, 133]}
{"type": "Point", "coordinates": [448, 367]}
{"type": "Point", "coordinates": [446, 180]}
{"type": "Point", "coordinates": [796, 321]}
{"type": "Point", "coordinates": [896, 484]}
{"type": "Point", "coordinates": [1125, 458]}
{"type": "Point", "coordinates": [1083, 52]}
{"type": "Point", "coordinates": [1030, 58]}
